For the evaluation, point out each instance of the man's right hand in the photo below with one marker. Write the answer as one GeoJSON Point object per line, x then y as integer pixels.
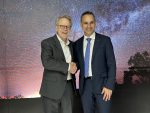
{"type": "Point", "coordinates": [73, 68]}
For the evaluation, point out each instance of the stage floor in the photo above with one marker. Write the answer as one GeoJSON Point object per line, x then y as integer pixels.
{"type": "Point", "coordinates": [125, 99]}
{"type": "Point", "coordinates": [30, 105]}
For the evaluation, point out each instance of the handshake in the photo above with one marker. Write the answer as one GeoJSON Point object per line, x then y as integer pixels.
{"type": "Point", "coordinates": [73, 68]}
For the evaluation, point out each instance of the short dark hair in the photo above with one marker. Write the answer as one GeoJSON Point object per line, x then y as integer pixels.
{"type": "Point", "coordinates": [87, 13]}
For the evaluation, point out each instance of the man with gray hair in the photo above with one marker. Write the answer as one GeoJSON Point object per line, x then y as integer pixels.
{"type": "Point", "coordinates": [59, 69]}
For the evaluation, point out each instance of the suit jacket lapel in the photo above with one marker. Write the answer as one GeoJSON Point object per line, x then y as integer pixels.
{"type": "Point", "coordinates": [71, 50]}
{"type": "Point", "coordinates": [58, 45]}
{"type": "Point", "coordinates": [96, 46]}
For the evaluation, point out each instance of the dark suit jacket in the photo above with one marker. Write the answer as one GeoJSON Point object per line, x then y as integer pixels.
{"type": "Point", "coordinates": [55, 68]}
{"type": "Point", "coordinates": [103, 63]}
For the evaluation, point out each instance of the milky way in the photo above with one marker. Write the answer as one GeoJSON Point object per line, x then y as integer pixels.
{"type": "Point", "coordinates": [25, 23]}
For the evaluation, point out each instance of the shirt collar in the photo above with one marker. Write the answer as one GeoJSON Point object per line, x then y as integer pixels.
{"type": "Point", "coordinates": [61, 41]}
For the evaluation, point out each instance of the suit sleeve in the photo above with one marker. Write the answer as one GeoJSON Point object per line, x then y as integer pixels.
{"type": "Point", "coordinates": [48, 60]}
{"type": "Point", "coordinates": [111, 65]}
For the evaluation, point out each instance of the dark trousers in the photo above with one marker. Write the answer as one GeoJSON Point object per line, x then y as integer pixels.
{"type": "Point", "coordinates": [63, 105]}
{"type": "Point", "coordinates": [93, 102]}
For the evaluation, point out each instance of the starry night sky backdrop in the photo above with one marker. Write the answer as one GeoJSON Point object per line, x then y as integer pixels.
{"type": "Point", "coordinates": [25, 23]}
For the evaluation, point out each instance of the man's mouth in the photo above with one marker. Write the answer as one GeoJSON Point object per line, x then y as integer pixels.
{"type": "Point", "coordinates": [64, 33]}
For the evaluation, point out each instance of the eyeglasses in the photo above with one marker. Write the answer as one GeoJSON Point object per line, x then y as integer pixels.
{"type": "Point", "coordinates": [64, 27]}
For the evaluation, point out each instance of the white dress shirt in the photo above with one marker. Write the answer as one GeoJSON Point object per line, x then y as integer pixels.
{"type": "Point", "coordinates": [66, 52]}
{"type": "Point", "coordinates": [91, 50]}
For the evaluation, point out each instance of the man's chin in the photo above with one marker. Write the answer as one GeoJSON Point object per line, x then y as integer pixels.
{"type": "Point", "coordinates": [65, 37]}
{"type": "Point", "coordinates": [89, 33]}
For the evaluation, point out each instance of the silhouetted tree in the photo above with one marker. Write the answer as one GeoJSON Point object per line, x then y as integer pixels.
{"type": "Point", "coordinates": [140, 60]}
{"type": "Point", "coordinates": [140, 65]}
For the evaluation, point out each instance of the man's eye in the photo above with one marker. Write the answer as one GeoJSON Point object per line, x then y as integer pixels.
{"type": "Point", "coordinates": [85, 23]}
{"type": "Point", "coordinates": [88, 23]}
{"type": "Point", "coordinates": [91, 22]}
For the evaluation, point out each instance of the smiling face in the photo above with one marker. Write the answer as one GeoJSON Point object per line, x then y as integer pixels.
{"type": "Point", "coordinates": [88, 24]}
{"type": "Point", "coordinates": [63, 28]}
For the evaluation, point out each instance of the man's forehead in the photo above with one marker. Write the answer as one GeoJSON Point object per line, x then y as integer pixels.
{"type": "Point", "coordinates": [88, 17]}
{"type": "Point", "coordinates": [64, 20]}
